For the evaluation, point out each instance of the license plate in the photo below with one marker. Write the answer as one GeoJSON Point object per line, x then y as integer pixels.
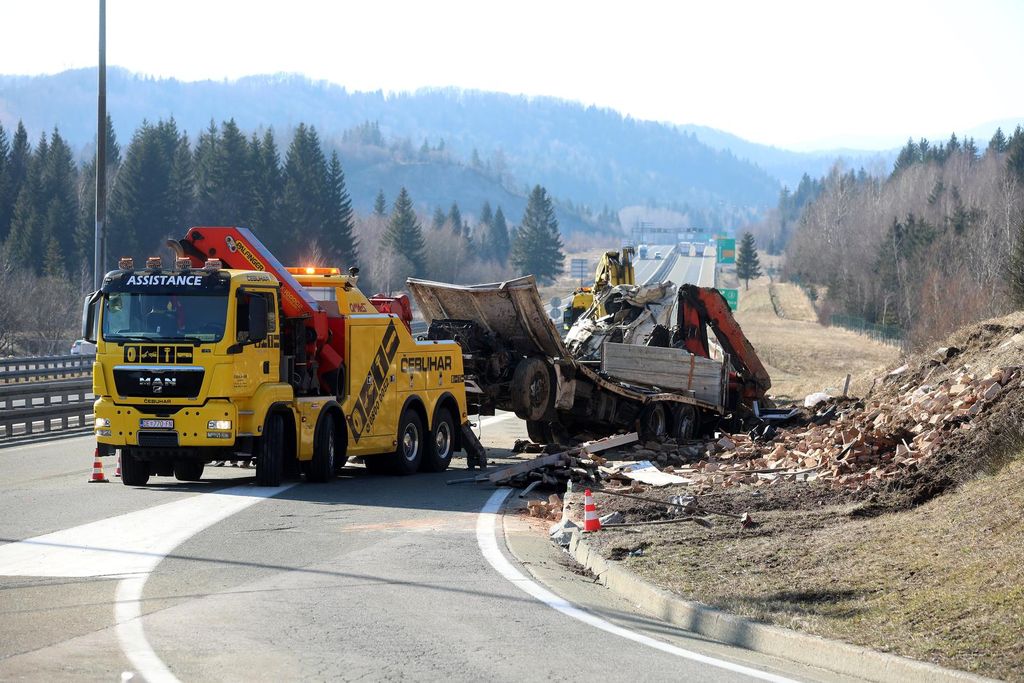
{"type": "Point", "coordinates": [156, 424]}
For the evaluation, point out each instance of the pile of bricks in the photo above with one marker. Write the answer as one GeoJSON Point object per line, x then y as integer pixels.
{"type": "Point", "coordinates": [546, 509]}
{"type": "Point", "coordinates": [886, 438]}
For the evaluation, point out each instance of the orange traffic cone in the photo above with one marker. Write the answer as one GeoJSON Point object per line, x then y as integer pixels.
{"type": "Point", "coordinates": [590, 520]}
{"type": "Point", "coordinates": [117, 469]}
{"type": "Point", "coordinates": [97, 470]}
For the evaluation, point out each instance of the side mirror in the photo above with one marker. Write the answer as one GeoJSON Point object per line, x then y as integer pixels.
{"type": "Point", "coordinates": [257, 319]}
{"type": "Point", "coordinates": [89, 317]}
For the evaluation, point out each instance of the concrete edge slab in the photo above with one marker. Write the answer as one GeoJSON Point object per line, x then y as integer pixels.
{"type": "Point", "coordinates": [836, 656]}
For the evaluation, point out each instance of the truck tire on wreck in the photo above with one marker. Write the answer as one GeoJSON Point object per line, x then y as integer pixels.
{"type": "Point", "coordinates": [683, 426]}
{"type": "Point", "coordinates": [322, 467]}
{"type": "Point", "coordinates": [439, 450]}
{"type": "Point", "coordinates": [653, 422]}
{"type": "Point", "coordinates": [134, 472]}
{"type": "Point", "coordinates": [269, 452]}
{"type": "Point", "coordinates": [531, 392]}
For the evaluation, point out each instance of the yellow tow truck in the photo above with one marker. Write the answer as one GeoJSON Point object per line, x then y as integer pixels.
{"type": "Point", "coordinates": [231, 356]}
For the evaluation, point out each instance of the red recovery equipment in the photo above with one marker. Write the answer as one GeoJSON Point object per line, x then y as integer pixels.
{"type": "Point", "coordinates": [318, 360]}
{"type": "Point", "coordinates": [697, 309]}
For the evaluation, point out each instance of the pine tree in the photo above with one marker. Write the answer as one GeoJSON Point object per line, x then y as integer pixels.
{"type": "Point", "coordinates": [380, 205]}
{"type": "Point", "coordinates": [207, 174]}
{"type": "Point", "coordinates": [58, 203]}
{"type": "Point", "coordinates": [146, 203]}
{"type": "Point", "coordinates": [180, 200]}
{"type": "Point", "coordinates": [267, 187]}
{"type": "Point", "coordinates": [339, 228]}
{"type": "Point", "coordinates": [998, 142]}
{"type": "Point", "coordinates": [26, 224]}
{"type": "Point", "coordinates": [455, 220]}
{"type": "Point", "coordinates": [1015, 154]}
{"type": "Point", "coordinates": [18, 162]}
{"type": "Point", "coordinates": [439, 218]}
{"type": "Point", "coordinates": [6, 201]}
{"type": "Point", "coordinates": [498, 238]}
{"type": "Point", "coordinates": [85, 232]}
{"type": "Point", "coordinates": [747, 264]}
{"type": "Point", "coordinates": [404, 236]}
{"type": "Point", "coordinates": [537, 248]}
{"type": "Point", "coordinates": [483, 230]}
{"type": "Point", "coordinates": [908, 156]}
{"type": "Point", "coordinates": [305, 192]}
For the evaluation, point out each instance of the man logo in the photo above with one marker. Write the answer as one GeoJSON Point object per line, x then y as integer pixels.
{"type": "Point", "coordinates": [157, 384]}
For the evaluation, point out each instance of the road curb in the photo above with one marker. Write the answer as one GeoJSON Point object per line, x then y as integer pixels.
{"type": "Point", "coordinates": [832, 655]}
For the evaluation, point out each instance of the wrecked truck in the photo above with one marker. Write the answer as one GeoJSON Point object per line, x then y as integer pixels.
{"type": "Point", "coordinates": [628, 370]}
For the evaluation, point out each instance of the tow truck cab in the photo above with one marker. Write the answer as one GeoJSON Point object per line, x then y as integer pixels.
{"type": "Point", "coordinates": [195, 365]}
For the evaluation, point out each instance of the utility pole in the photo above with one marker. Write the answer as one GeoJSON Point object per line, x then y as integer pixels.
{"type": "Point", "coordinates": [101, 156]}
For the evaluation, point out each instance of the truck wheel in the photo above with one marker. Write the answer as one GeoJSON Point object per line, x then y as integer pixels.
{"type": "Point", "coordinates": [441, 446]}
{"type": "Point", "coordinates": [269, 465]}
{"type": "Point", "coordinates": [134, 472]}
{"type": "Point", "coordinates": [653, 422]}
{"type": "Point", "coordinates": [188, 470]}
{"type": "Point", "coordinates": [407, 456]}
{"type": "Point", "coordinates": [321, 467]}
{"type": "Point", "coordinates": [531, 390]}
{"type": "Point", "coordinates": [684, 423]}
{"type": "Point", "coordinates": [539, 432]}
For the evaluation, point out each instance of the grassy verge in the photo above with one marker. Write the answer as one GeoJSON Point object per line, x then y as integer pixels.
{"type": "Point", "coordinates": [803, 356]}
{"type": "Point", "coordinates": [943, 582]}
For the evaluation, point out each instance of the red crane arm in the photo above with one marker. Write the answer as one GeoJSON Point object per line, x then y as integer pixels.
{"type": "Point", "coordinates": [239, 249]}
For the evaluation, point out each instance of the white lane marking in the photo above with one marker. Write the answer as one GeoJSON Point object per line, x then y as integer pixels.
{"type": "Point", "coordinates": [127, 544]}
{"type": "Point", "coordinates": [131, 546]}
{"type": "Point", "coordinates": [700, 273]}
{"type": "Point", "coordinates": [135, 645]}
{"type": "Point", "coordinates": [487, 539]}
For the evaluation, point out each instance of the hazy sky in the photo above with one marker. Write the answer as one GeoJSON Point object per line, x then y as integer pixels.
{"type": "Point", "coordinates": [795, 74]}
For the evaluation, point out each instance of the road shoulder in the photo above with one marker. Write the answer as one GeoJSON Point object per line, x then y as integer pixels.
{"type": "Point", "coordinates": [838, 657]}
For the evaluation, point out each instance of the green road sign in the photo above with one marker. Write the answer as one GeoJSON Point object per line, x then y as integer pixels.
{"type": "Point", "coordinates": [732, 297]}
{"type": "Point", "coordinates": [726, 250]}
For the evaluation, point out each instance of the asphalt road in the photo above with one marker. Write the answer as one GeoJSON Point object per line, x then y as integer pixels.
{"type": "Point", "coordinates": [694, 269]}
{"type": "Point", "coordinates": [367, 577]}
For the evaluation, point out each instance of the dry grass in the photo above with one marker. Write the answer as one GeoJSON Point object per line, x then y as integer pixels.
{"type": "Point", "coordinates": [792, 303]}
{"type": "Point", "coordinates": [943, 582]}
{"type": "Point", "coordinates": [801, 355]}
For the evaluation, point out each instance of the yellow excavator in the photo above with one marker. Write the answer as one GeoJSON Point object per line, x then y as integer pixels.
{"type": "Point", "coordinates": [614, 268]}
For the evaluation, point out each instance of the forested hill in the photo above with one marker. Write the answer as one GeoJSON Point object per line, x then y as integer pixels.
{"type": "Point", "coordinates": [582, 154]}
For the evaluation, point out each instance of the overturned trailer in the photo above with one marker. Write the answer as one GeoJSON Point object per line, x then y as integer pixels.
{"type": "Point", "coordinates": [515, 360]}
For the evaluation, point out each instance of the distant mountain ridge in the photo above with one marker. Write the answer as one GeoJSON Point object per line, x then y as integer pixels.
{"type": "Point", "coordinates": [587, 155]}
{"type": "Point", "coordinates": [788, 165]}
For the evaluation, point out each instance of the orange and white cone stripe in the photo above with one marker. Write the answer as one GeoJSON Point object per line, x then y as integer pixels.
{"type": "Point", "coordinates": [590, 520]}
{"type": "Point", "coordinates": [117, 470]}
{"type": "Point", "coordinates": [97, 476]}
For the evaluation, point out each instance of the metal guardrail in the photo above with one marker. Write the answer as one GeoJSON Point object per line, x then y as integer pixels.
{"type": "Point", "coordinates": [30, 405]}
{"type": "Point", "coordinates": [43, 368]}
{"type": "Point", "coordinates": [33, 408]}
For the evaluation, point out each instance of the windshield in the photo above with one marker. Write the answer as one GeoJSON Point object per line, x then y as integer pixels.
{"type": "Point", "coordinates": [164, 316]}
